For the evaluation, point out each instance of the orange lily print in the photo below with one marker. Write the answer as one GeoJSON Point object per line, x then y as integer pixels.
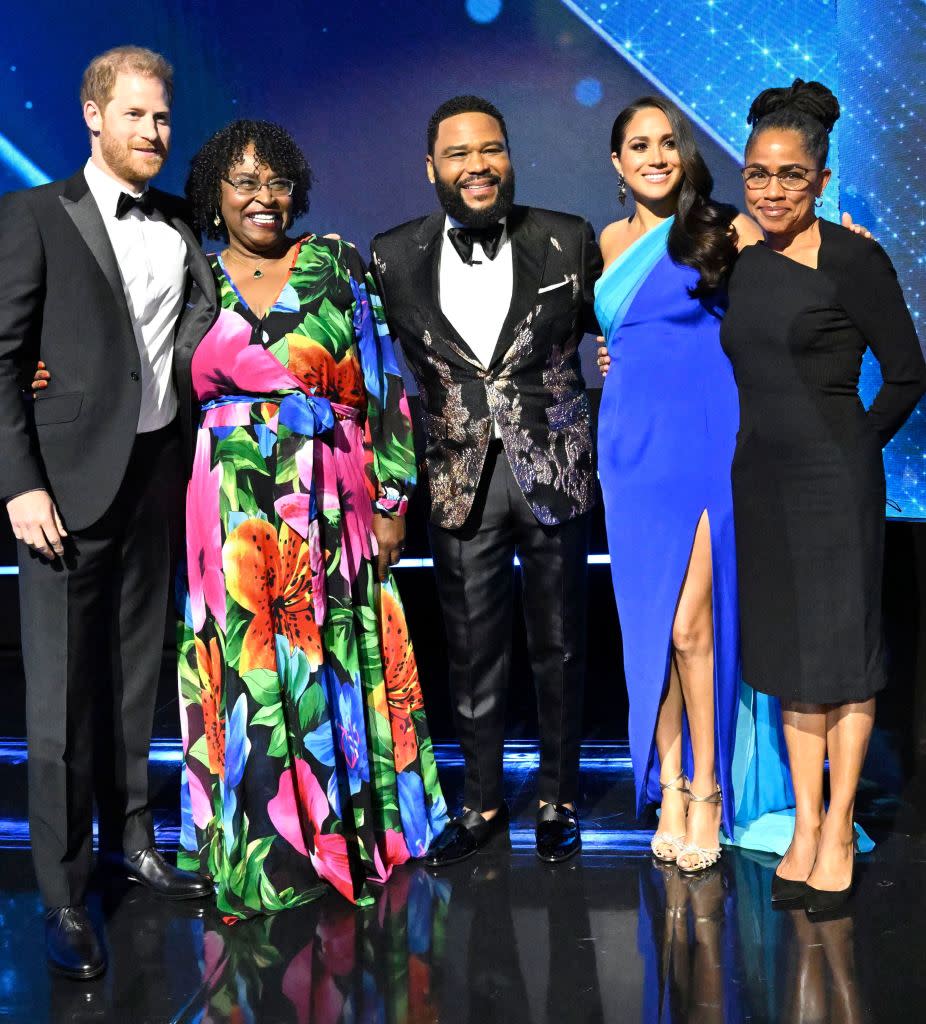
{"type": "Point", "coordinates": [209, 666]}
{"type": "Point", "coordinates": [270, 575]}
{"type": "Point", "coordinates": [403, 691]}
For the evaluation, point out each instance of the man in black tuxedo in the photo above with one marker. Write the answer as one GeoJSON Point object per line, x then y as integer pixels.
{"type": "Point", "coordinates": [99, 274]}
{"type": "Point", "coordinates": [489, 301]}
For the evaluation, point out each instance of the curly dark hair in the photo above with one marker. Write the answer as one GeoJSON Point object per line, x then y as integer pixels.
{"type": "Point", "coordinates": [273, 146]}
{"type": "Point", "coordinates": [463, 105]}
{"type": "Point", "coordinates": [808, 108]}
{"type": "Point", "coordinates": [703, 236]}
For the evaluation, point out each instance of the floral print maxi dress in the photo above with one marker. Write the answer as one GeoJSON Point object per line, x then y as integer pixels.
{"type": "Point", "coordinates": [306, 750]}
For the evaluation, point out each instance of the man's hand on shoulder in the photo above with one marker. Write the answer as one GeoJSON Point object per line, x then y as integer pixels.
{"type": "Point", "coordinates": [36, 522]}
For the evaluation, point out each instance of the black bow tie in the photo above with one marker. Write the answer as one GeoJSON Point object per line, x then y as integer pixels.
{"type": "Point", "coordinates": [463, 239]}
{"type": "Point", "coordinates": [127, 202]}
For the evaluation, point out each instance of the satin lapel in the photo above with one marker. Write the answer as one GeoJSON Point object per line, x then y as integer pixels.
{"type": "Point", "coordinates": [195, 320]}
{"type": "Point", "coordinates": [198, 265]}
{"type": "Point", "coordinates": [81, 207]}
{"type": "Point", "coordinates": [529, 244]}
{"type": "Point", "coordinates": [426, 285]}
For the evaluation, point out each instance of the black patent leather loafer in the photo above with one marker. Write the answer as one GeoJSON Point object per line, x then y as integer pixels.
{"type": "Point", "coordinates": [558, 835]}
{"type": "Point", "coordinates": [72, 948]}
{"type": "Point", "coordinates": [464, 835]}
{"type": "Point", "coordinates": [149, 868]}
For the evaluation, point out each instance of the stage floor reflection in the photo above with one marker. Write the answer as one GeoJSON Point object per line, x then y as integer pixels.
{"type": "Point", "coordinates": [608, 937]}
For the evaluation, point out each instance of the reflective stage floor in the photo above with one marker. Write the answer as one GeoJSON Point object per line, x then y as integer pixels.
{"type": "Point", "coordinates": [499, 938]}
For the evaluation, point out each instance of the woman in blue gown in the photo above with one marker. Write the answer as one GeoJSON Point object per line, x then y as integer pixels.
{"type": "Point", "coordinates": [666, 435]}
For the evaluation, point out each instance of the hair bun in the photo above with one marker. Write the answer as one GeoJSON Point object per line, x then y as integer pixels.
{"type": "Point", "coordinates": [812, 99]}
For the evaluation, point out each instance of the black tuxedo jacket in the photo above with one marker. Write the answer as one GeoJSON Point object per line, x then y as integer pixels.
{"type": "Point", "coordinates": [533, 386]}
{"type": "Point", "coordinates": [62, 301]}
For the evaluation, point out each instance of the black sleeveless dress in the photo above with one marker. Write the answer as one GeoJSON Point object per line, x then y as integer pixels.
{"type": "Point", "coordinates": [808, 477]}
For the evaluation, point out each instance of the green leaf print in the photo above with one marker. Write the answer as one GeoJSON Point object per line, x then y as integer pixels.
{"type": "Point", "coordinates": [236, 626]}
{"type": "Point", "coordinates": [287, 471]}
{"type": "Point", "coordinates": [312, 708]}
{"type": "Point", "coordinates": [263, 686]}
{"type": "Point", "coordinates": [270, 715]}
{"type": "Point", "coordinates": [200, 751]}
{"type": "Point", "coordinates": [253, 864]}
{"type": "Point", "coordinates": [280, 349]}
{"type": "Point", "coordinates": [241, 450]}
{"type": "Point", "coordinates": [279, 746]}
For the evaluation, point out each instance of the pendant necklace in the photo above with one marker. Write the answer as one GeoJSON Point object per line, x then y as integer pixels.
{"type": "Point", "coordinates": [257, 272]}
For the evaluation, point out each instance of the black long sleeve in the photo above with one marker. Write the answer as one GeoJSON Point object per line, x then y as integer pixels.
{"type": "Point", "coordinates": [871, 295]}
{"type": "Point", "coordinates": [22, 271]}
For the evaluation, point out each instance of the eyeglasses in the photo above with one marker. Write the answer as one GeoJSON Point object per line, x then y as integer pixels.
{"type": "Point", "coordinates": [794, 179]}
{"type": "Point", "coordinates": [251, 186]}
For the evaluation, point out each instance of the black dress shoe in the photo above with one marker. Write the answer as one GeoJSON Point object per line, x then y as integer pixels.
{"type": "Point", "coordinates": [149, 868]}
{"type": "Point", "coordinates": [827, 904]}
{"type": "Point", "coordinates": [71, 946]}
{"type": "Point", "coordinates": [787, 892]}
{"type": "Point", "coordinates": [558, 835]}
{"type": "Point", "coordinates": [464, 835]}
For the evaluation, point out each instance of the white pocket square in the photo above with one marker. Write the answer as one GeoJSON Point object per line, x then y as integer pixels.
{"type": "Point", "coordinates": [553, 287]}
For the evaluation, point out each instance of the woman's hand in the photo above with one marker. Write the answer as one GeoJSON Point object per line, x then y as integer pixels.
{"type": "Point", "coordinates": [390, 539]}
{"type": "Point", "coordinates": [604, 360]}
{"type": "Point", "coordinates": [859, 229]}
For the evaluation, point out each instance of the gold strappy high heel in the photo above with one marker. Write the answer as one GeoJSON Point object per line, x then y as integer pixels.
{"type": "Point", "coordinates": [666, 840]}
{"type": "Point", "coordinates": [700, 858]}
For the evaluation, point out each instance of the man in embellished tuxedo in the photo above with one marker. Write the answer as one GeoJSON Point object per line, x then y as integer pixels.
{"type": "Point", "coordinates": [100, 278]}
{"type": "Point", "coordinates": [489, 301]}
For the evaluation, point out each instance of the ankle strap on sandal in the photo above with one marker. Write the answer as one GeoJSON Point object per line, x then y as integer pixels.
{"type": "Point", "coordinates": [712, 798]}
{"type": "Point", "coordinates": [671, 784]}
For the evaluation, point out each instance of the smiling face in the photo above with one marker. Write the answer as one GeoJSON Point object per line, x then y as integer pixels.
{"type": "Point", "coordinates": [649, 159]}
{"type": "Point", "coordinates": [131, 134]}
{"type": "Point", "coordinates": [778, 210]}
{"type": "Point", "coordinates": [256, 223]}
{"type": "Point", "coordinates": [471, 169]}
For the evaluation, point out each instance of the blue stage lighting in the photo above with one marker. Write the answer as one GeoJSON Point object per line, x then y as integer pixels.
{"type": "Point", "coordinates": [483, 11]}
{"type": "Point", "coordinates": [588, 92]}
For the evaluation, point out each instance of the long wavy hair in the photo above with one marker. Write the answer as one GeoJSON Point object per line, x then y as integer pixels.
{"type": "Point", "coordinates": [702, 236]}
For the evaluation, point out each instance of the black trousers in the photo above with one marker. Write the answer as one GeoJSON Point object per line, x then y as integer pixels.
{"type": "Point", "coordinates": [92, 635]}
{"type": "Point", "coordinates": [475, 584]}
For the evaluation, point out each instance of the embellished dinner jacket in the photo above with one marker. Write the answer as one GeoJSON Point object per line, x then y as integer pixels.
{"type": "Point", "coordinates": [533, 386]}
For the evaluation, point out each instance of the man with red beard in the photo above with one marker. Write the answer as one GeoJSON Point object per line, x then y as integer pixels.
{"type": "Point", "coordinates": [104, 281]}
{"type": "Point", "coordinates": [489, 301]}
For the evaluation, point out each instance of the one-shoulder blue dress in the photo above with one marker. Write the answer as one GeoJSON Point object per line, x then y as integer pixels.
{"type": "Point", "coordinates": [666, 435]}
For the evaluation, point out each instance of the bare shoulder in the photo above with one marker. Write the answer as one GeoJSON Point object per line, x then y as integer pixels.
{"type": "Point", "coordinates": [614, 239]}
{"type": "Point", "coordinates": [747, 231]}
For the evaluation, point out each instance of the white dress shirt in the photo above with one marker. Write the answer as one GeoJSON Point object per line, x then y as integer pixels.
{"type": "Point", "coordinates": [152, 259]}
{"type": "Point", "coordinates": [476, 298]}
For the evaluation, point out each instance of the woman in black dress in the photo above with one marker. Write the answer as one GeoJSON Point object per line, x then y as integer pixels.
{"type": "Point", "coordinates": [808, 478]}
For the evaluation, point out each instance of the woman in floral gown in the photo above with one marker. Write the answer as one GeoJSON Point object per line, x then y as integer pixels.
{"type": "Point", "coordinates": [306, 751]}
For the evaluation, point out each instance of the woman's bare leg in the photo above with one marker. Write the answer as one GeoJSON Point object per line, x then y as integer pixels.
{"type": "Point", "coordinates": [805, 736]}
{"type": "Point", "coordinates": [848, 730]}
{"type": "Point", "coordinates": [669, 746]}
{"type": "Point", "coordinates": [693, 645]}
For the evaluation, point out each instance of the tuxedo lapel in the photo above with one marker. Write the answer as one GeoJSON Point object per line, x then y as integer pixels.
{"type": "Point", "coordinates": [529, 245]}
{"type": "Point", "coordinates": [426, 285]}
{"type": "Point", "coordinates": [197, 263]}
{"type": "Point", "coordinates": [200, 312]}
{"type": "Point", "coordinates": [80, 206]}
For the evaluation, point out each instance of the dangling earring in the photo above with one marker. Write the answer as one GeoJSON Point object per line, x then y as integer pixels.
{"type": "Point", "coordinates": [621, 189]}
{"type": "Point", "coordinates": [217, 220]}
{"type": "Point", "coordinates": [818, 202]}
